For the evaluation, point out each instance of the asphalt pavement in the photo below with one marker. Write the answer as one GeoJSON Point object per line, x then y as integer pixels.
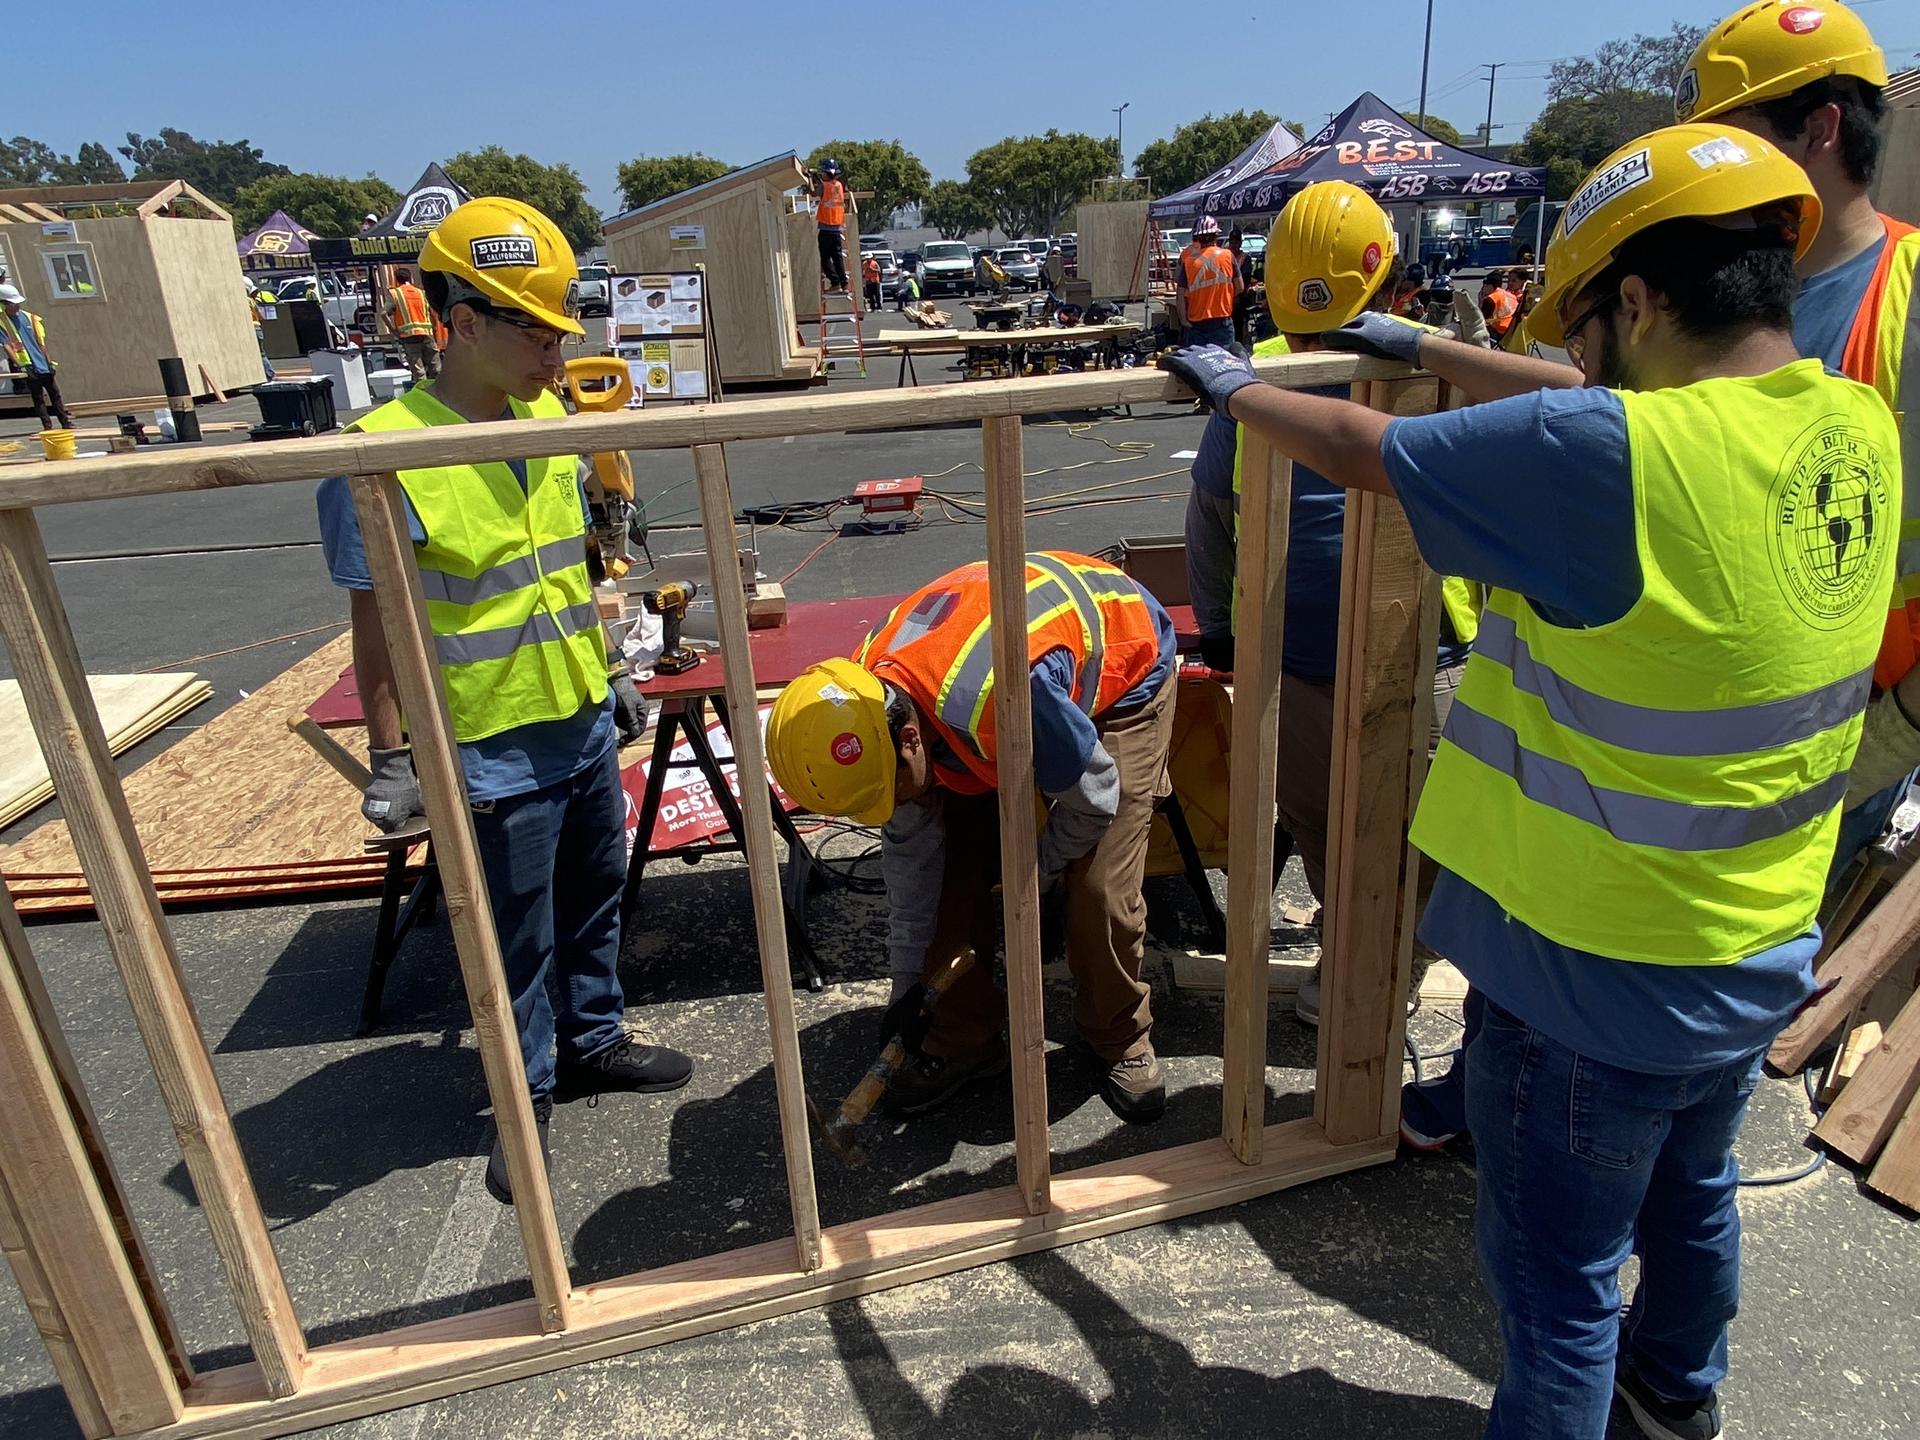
{"type": "Point", "coordinates": [1345, 1308]}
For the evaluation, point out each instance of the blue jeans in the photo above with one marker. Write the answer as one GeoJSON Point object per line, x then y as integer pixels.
{"type": "Point", "coordinates": [1580, 1165]}
{"type": "Point", "coordinates": [555, 861]}
{"type": "Point", "coordinates": [1208, 332]}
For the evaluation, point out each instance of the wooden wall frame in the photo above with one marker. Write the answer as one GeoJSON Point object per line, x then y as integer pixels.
{"type": "Point", "coordinates": [90, 1286]}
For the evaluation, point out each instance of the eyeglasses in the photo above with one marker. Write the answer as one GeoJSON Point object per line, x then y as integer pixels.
{"type": "Point", "coordinates": [525, 324]}
{"type": "Point", "coordinates": [1576, 342]}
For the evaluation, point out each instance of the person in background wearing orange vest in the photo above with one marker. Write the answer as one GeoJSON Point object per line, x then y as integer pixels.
{"type": "Point", "coordinates": [411, 321]}
{"type": "Point", "coordinates": [24, 339]}
{"type": "Point", "coordinates": [831, 192]}
{"type": "Point", "coordinates": [903, 736]}
{"type": "Point", "coordinates": [1808, 78]}
{"type": "Point", "coordinates": [1208, 280]}
{"type": "Point", "coordinates": [1498, 304]}
{"type": "Point", "coordinates": [870, 278]}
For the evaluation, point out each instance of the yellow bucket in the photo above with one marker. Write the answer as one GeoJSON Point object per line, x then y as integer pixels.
{"type": "Point", "coordinates": [57, 443]}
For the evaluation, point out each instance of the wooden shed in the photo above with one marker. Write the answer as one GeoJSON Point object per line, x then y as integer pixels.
{"type": "Point", "coordinates": [763, 266]}
{"type": "Point", "coordinates": [1896, 189]}
{"type": "Point", "coordinates": [123, 283]}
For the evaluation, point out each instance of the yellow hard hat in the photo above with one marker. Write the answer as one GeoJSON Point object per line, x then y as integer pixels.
{"type": "Point", "coordinates": [1330, 249]}
{"type": "Point", "coordinates": [828, 743]}
{"type": "Point", "coordinates": [1771, 49]}
{"type": "Point", "coordinates": [1682, 172]}
{"type": "Point", "coordinates": [513, 255]}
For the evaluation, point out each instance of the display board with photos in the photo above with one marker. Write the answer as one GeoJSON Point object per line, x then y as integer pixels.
{"type": "Point", "coordinates": [661, 328]}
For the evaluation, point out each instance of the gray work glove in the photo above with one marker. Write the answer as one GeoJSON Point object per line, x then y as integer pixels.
{"type": "Point", "coordinates": [393, 795]}
{"type": "Point", "coordinates": [1213, 372]}
{"type": "Point", "coordinates": [1387, 336]}
{"type": "Point", "coordinates": [629, 709]}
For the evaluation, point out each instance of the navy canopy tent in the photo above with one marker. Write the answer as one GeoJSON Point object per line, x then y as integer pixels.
{"type": "Point", "coordinates": [1275, 145]}
{"type": "Point", "coordinates": [1375, 147]}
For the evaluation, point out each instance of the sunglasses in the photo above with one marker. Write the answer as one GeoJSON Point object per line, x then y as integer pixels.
{"type": "Point", "coordinates": [525, 324]}
{"type": "Point", "coordinates": [1576, 342]}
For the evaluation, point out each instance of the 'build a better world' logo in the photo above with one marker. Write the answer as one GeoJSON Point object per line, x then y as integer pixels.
{"type": "Point", "coordinates": [1832, 520]}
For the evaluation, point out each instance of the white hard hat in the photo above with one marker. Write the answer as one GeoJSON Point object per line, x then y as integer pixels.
{"type": "Point", "coordinates": [11, 296]}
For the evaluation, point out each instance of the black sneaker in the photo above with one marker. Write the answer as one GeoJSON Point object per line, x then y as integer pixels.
{"type": "Point", "coordinates": [926, 1082]}
{"type": "Point", "coordinates": [1136, 1088]}
{"type": "Point", "coordinates": [633, 1062]}
{"type": "Point", "coordinates": [498, 1185]}
{"type": "Point", "coordinates": [1662, 1419]}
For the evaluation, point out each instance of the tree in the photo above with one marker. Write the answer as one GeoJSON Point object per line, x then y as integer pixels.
{"type": "Point", "coordinates": [1643, 63]}
{"type": "Point", "coordinates": [1573, 135]}
{"type": "Point", "coordinates": [894, 175]}
{"type": "Point", "coordinates": [1442, 130]}
{"type": "Point", "coordinates": [647, 178]}
{"type": "Point", "coordinates": [1028, 182]}
{"type": "Point", "coordinates": [556, 191]}
{"type": "Point", "coordinates": [218, 169]}
{"type": "Point", "coordinates": [325, 204]}
{"type": "Point", "coordinates": [24, 161]}
{"type": "Point", "coordinates": [954, 210]}
{"type": "Point", "coordinates": [1200, 147]}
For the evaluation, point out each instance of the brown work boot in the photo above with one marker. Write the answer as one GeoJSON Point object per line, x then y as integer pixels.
{"type": "Point", "coordinates": [927, 1082]}
{"type": "Point", "coordinates": [1136, 1087]}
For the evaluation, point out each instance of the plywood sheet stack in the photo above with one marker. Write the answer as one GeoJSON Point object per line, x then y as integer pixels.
{"type": "Point", "coordinates": [241, 808]}
{"type": "Point", "coordinates": [131, 707]}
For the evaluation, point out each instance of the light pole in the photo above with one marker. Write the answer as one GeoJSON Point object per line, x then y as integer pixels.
{"type": "Point", "coordinates": [1120, 140]}
{"type": "Point", "coordinates": [1426, 53]}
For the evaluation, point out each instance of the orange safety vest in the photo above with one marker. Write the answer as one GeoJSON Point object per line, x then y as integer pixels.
{"type": "Point", "coordinates": [937, 646]}
{"type": "Point", "coordinates": [870, 269]}
{"type": "Point", "coordinates": [833, 204]}
{"type": "Point", "coordinates": [1883, 350]}
{"type": "Point", "coordinates": [411, 318]}
{"type": "Point", "coordinates": [1209, 274]}
{"type": "Point", "coordinates": [1505, 303]}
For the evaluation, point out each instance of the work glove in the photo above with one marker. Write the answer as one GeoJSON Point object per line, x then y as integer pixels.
{"type": "Point", "coordinates": [1387, 336]}
{"type": "Point", "coordinates": [392, 797]}
{"type": "Point", "coordinates": [1216, 652]}
{"type": "Point", "coordinates": [907, 1018]}
{"type": "Point", "coordinates": [629, 708]}
{"type": "Point", "coordinates": [1213, 372]}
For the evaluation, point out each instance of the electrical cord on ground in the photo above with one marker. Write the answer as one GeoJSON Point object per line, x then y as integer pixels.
{"type": "Point", "coordinates": [1802, 1172]}
{"type": "Point", "coordinates": [847, 869]}
{"type": "Point", "coordinates": [250, 645]}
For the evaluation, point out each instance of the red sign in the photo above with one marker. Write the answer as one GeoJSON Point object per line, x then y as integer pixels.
{"type": "Point", "coordinates": [689, 810]}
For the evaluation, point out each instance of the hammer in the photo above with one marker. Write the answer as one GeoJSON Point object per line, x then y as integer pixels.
{"type": "Point", "coordinates": [837, 1133]}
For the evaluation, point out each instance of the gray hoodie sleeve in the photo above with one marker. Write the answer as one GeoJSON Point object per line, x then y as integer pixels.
{"type": "Point", "coordinates": [1079, 816]}
{"type": "Point", "coordinates": [913, 858]}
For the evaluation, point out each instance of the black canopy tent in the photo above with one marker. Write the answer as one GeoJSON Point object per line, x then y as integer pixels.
{"type": "Point", "coordinates": [400, 234]}
{"type": "Point", "coordinates": [1257, 158]}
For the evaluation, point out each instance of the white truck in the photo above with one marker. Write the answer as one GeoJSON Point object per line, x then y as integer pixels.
{"type": "Point", "coordinates": [345, 307]}
{"type": "Point", "coordinates": [946, 265]}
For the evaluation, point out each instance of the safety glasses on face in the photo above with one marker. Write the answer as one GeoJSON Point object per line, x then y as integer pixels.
{"type": "Point", "coordinates": [525, 324]}
{"type": "Point", "coordinates": [1576, 340]}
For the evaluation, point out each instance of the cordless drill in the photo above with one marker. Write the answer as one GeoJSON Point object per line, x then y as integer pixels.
{"type": "Point", "coordinates": [670, 603]}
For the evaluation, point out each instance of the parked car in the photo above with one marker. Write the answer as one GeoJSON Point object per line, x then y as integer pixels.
{"type": "Point", "coordinates": [1040, 246]}
{"type": "Point", "coordinates": [889, 270]}
{"type": "Point", "coordinates": [873, 242]}
{"type": "Point", "coordinates": [1069, 257]}
{"type": "Point", "coordinates": [1022, 269]}
{"type": "Point", "coordinates": [945, 265]}
{"type": "Point", "coordinates": [346, 307]}
{"type": "Point", "coordinates": [596, 291]}
{"type": "Point", "coordinates": [909, 260]}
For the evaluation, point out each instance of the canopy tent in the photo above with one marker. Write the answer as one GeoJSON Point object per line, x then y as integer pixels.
{"type": "Point", "coordinates": [279, 244]}
{"type": "Point", "coordinates": [1375, 147]}
{"type": "Point", "coordinates": [400, 234]}
{"type": "Point", "coordinates": [1197, 198]}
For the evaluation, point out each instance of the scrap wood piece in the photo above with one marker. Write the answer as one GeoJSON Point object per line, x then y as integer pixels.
{"type": "Point", "coordinates": [132, 707]}
{"type": "Point", "coordinates": [1897, 1175]}
{"type": "Point", "coordinates": [1883, 939]}
{"type": "Point", "coordinates": [1863, 1117]}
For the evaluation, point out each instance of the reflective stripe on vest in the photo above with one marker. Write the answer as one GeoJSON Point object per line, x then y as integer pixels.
{"type": "Point", "coordinates": [833, 204]}
{"type": "Point", "coordinates": [1883, 350]}
{"type": "Point", "coordinates": [1209, 275]}
{"type": "Point", "coordinates": [503, 571]}
{"type": "Point", "coordinates": [937, 646]}
{"type": "Point", "coordinates": [410, 316]}
{"type": "Point", "coordinates": [1665, 788]}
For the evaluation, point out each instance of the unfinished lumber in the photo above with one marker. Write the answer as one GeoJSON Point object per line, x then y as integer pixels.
{"type": "Point", "coordinates": [54, 683]}
{"type": "Point", "coordinates": [1003, 457]}
{"type": "Point", "coordinates": [1896, 1174]}
{"type": "Point", "coordinates": [763, 864]}
{"type": "Point", "coordinates": [66, 1226]}
{"type": "Point", "coordinates": [1882, 940]}
{"type": "Point", "coordinates": [1260, 595]}
{"type": "Point", "coordinates": [55, 1333]}
{"type": "Point", "coordinates": [1859, 1122]}
{"type": "Point", "coordinates": [1364, 965]}
{"type": "Point", "coordinates": [378, 503]}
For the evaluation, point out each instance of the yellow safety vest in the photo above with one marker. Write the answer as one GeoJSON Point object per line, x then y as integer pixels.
{"type": "Point", "coordinates": [504, 571]}
{"type": "Point", "coordinates": [16, 348]}
{"type": "Point", "coordinates": [1666, 788]}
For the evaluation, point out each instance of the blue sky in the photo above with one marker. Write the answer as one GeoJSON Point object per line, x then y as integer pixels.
{"type": "Point", "coordinates": [753, 78]}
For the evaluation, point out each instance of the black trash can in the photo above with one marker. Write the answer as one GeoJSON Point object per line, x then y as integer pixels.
{"type": "Point", "coordinates": [295, 407]}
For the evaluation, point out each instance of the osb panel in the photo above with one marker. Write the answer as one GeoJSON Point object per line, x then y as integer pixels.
{"type": "Point", "coordinates": [107, 349]}
{"type": "Point", "coordinates": [1110, 233]}
{"type": "Point", "coordinates": [212, 324]}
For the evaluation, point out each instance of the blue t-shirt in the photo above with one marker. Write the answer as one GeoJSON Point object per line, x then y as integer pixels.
{"type": "Point", "coordinates": [1824, 310]}
{"type": "Point", "coordinates": [1534, 494]}
{"type": "Point", "coordinates": [516, 761]}
{"type": "Point", "coordinates": [1063, 734]}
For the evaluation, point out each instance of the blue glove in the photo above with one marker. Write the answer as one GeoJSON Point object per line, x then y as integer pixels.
{"type": "Point", "coordinates": [1384, 335]}
{"type": "Point", "coordinates": [1212, 372]}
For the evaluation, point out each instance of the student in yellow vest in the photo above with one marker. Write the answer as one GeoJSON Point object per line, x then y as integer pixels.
{"type": "Point", "coordinates": [503, 562]}
{"type": "Point", "coordinates": [24, 340]}
{"type": "Point", "coordinates": [1809, 78]}
{"type": "Point", "coordinates": [1637, 794]}
{"type": "Point", "coordinates": [411, 320]}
